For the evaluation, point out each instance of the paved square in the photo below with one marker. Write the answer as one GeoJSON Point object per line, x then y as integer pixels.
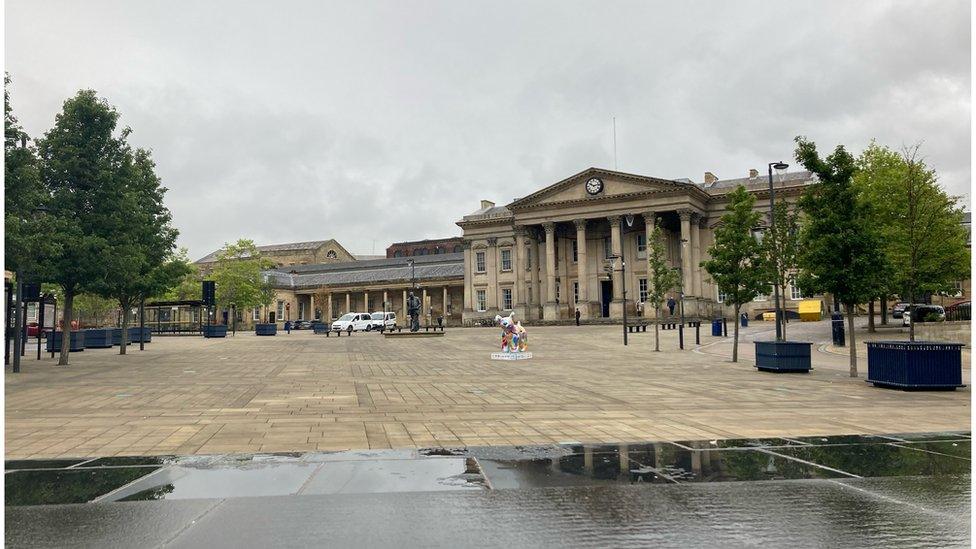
{"type": "Point", "coordinates": [303, 392]}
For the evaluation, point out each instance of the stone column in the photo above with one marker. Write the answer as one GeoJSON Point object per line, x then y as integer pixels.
{"type": "Point", "coordinates": [405, 316]}
{"type": "Point", "coordinates": [311, 306]}
{"type": "Point", "coordinates": [617, 305]}
{"type": "Point", "coordinates": [538, 250]}
{"type": "Point", "coordinates": [550, 310]}
{"type": "Point", "coordinates": [468, 275]}
{"type": "Point", "coordinates": [385, 299]}
{"type": "Point", "coordinates": [348, 306]}
{"type": "Point", "coordinates": [696, 282]}
{"type": "Point", "coordinates": [491, 265]}
{"type": "Point", "coordinates": [581, 266]}
{"type": "Point", "coordinates": [650, 219]}
{"type": "Point", "coordinates": [521, 293]}
{"type": "Point", "coordinates": [328, 314]}
{"type": "Point", "coordinates": [705, 289]}
{"type": "Point", "coordinates": [444, 304]}
{"type": "Point", "coordinates": [366, 301]}
{"type": "Point", "coordinates": [684, 249]}
{"type": "Point", "coordinates": [424, 307]}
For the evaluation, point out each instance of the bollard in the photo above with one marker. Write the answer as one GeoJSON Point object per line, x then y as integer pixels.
{"type": "Point", "coordinates": [697, 329]}
{"type": "Point", "coordinates": [681, 336]}
{"type": "Point", "coordinates": [725, 327]}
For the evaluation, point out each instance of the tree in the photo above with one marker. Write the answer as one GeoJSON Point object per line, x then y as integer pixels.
{"type": "Point", "coordinates": [736, 262]}
{"type": "Point", "coordinates": [142, 236]}
{"type": "Point", "coordinates": [187, 286]}
{"type": "Point", "coordinates": [239, 276]}
{"type": "Point", "coordinates": [779, 245]}
{"type": "Point", "coordinates": [662, 278]}
{"type": "Point", "coordinates": [928, 249]}
{"type": "Point", "coordinates": [92, 310]}
{"type": "Point", "coordinates": [840, 251]}
{"type": "Point", "coordinates": [81, 161]}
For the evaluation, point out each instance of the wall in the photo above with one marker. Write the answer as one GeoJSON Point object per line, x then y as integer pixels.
{"type": "Point", "coordinates": [956, 331]}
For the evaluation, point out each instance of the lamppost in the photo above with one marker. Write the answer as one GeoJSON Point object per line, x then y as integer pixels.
{"type": "Point", "coordinates": [623, 285]}
{"type": "Point", "coordinates": [413, 278]}
{"type": "Point", "coordinates": [779, 166]}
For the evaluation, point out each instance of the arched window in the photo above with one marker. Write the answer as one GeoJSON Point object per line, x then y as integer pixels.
{"type": "Point", "coordinates": [458, 248]}
{"type": "Point", "coordinates": [332, 255]}
{"type": "Point", "coordinates": [398, 253]}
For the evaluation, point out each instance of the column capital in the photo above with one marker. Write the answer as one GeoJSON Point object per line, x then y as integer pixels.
{"type": "Point", "coordinates": [466, 244]}
{"type": "Point", "coordinates": [521, 230]}
{"type": "Point", "coordinates": [549, 227]}
{"type": "Point", "coordinates": [685, 213]}
{"type": "Point", "coordinates": [614, 220]}
{"type": "Point", "coordinates": [702, 222]}
{"type": "Point", "coordinates": [580, 224]}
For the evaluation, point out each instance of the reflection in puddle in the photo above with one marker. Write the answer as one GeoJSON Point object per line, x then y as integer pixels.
{"type": "Point", "coordinates": [40, 463]}
{"type": "Point", "coordinates": [881, 460]}
{"type": "Point", "coordinates": [66, 485]}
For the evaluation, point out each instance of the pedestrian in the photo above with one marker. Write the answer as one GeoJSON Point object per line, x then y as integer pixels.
{"type": "Point", "coordinates": [288, 326]}
{"type": "Point", "coordinates": [640, 308]}
{"type": "Point", "coordinates": [671, 304]}
{"type": "Point", "coordinates": [577, 316]}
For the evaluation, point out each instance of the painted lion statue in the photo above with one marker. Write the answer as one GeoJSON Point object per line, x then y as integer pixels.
{"type": "Point", "coordinates": [514, 337]}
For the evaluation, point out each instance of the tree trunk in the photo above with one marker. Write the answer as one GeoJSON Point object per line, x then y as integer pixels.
{"type": "Point", "coordinates": [871, 315]}
{"type": "Point", "coordinates": [657, 321]}
{"type": "Point", "coordinates": [911, 317]}
{"type": "Point", "coordinates": [884, 310]}
{"type": "Point", "coordinates": [853, 342]}
{"type": "Point", "coordinates": [735, 339]}
{"type": "Point", "coordinates": [782, 310]}
{"type": "Point", "coordinates": [125, 326]}
{"type": "Point", "coordinates": [69, 298]}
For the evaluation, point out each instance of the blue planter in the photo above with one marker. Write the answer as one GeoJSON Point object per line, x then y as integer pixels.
{"type": "Point", "coordinates": [216, 330]}
{"type": "Point", "coordinates": [98, 338]}
{"type": "Point", "coordinates": [117, 337]}
{"type": "Point", "coordinates": [717, 327]}
{"type": "Point", "coordinates": [915, 364]}
{"type": "Point", "coordinates": [76, 343]}
{"type": "Point", "coordinates": [320, 328]}
{"type": "Point", "coordinates": [266, 329]}
{"type": "Point", "coordinates": [137, 335]}
{"type": "Point", "coordinates": [783, 356]}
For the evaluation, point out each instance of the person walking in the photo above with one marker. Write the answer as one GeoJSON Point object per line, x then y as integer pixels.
{"type": "Point", "coordinates": [577, 316]}
{"type": "Point", "coordinates": [671, 304]}
{"type": "Point", "coordinates": [288, 326]}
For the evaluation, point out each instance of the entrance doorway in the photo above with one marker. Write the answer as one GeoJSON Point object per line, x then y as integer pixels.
{"type": "Point", "coordinates": [606, 295]}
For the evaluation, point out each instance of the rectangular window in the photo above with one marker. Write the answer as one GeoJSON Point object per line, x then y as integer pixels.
{"type": "Point", "coordinates": [256, 315]}
{"type": "Point", "coordinates": [301, 310]}
{"type": "Point", "coordinates": [507, 298]}
{"type": "Point", "coordinates": [763, 297]}
{"type": "Point", "coordinates": [482, 301]}
{"type": "Point", "coordinates": [575, 292]}
{"type": "Point", "coordinates": [479, 263]}
{"type": "Point", "coordinates": [642, 286]}
{"type": "Point", "coordinates": [641, 245]}
{"type": "Point", "coordinates": [721, 296]}
{"type": "Point", "coordinates": [281, 311]}
{"type": "Point", "coordinates": [795, 292]}
{"type": "Point", "coordinates": [607, 248]}
{"type": "Point", "coordinates": [507, 260]}
{"type": "Point", "coordinates": [575, 251]}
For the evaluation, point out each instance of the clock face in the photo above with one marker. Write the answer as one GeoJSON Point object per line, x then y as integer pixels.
{"type": "Point", "coordinates": [594, 185]}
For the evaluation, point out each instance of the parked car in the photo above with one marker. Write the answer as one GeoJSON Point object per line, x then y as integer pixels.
{"type": "Point", "coordinates": [302, 325]}
{"type": "Point", "coordinates": [923, 313]}
{"type": "Point", "coordinates": [379, 319]}
{"type": "Point", "coordinates": [356, 321]}
{"type": "Point", "coordinates": [898, 309]}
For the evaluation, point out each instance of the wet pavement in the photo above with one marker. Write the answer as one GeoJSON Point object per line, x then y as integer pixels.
{"type": "Point", "coordinates": [881, 490]}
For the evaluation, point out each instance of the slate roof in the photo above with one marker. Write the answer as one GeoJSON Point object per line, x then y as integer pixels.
{"type": "Point", "coordinates": [287, 247]}
{"type": "Point", "coordinates": [426, 267]}
{"type": "Point", "coordinates": [762, 180]}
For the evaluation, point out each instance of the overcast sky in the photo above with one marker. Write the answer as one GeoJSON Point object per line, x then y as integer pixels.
{"type": "Point", "coordinates": [377, 122]}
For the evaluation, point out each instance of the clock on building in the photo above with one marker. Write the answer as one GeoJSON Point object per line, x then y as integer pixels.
{"type": "Point", "coordinates": [594, 185]}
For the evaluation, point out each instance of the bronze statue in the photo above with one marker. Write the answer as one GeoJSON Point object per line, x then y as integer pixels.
{"type": "Point", "coordinates": [413, 309]}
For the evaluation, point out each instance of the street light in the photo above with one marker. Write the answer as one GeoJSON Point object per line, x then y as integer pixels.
{"type": "Point", "coordinates": [413, 278]}
{"type": "Point", "coordinates": [778, 166]}
{"type": "Point", "coordinates": [623, 285]}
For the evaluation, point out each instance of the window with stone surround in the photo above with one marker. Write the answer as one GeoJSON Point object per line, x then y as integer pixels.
{"type": "Point", "coordinates": [281, 311]}
{"type": "Point", "coordinates": [507, 299]}
{"type": "Point", "coordinates": [721, 296]}
{"type": "Point", "coordinates": [481, 300]}
{"type": "Point", "coordinates": [641, 245]}
{"type": "Point", "coordinates": [642, 289]}
{"type": "Point", "coordinates": [575, 292]}
{"type": "Point", "coordinates": [576, 251]}
{"type": "Point", "coordinates": [607, 247]}
{"type": "Point", "coordinates": [479, 262]}
{"type": "Point", "coordinates": [507, 259]}
{"type": "Point", "coordinates": [256, 314]}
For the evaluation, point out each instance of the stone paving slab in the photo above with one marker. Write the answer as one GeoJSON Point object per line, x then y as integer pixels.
{"type": "Point", "coordinates": [302, 392]}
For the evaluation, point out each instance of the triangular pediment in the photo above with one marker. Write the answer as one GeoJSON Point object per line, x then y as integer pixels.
{"type": "Point", "coordinates": [614, 184]}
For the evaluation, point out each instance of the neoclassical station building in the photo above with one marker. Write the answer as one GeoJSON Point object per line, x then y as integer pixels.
{"type": "Point", "coordinates": [542, 256]}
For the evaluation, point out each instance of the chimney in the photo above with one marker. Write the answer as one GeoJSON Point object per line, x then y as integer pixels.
{"type": "Point", "coordinates": [710, 178]}
{"type": "Point", "coordinates": [485, 204]}
{"type": "Point", "coordinates": [753, 173]}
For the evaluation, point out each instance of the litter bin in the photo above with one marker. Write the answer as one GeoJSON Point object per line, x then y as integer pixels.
{"type": "Point", "coordinates": [717, 327]}
{"type": "Point", "coordinates": [744, 320]}
{"type": "Point", "coordinates": [837, 329]}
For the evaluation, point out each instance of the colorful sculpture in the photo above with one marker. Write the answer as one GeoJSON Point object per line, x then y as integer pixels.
{"type": "Point", "coordinates": [514, 337]}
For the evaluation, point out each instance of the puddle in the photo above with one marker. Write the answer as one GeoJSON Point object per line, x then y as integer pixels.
{"type": "Point", "coordinates": [178, 482]}
{"type": "Point", "coordinates": [382, 476]}
{"type": "Point", "coordinates": [957, 448]}
{"type": "Point", "coordinates": [740, 443]}
{"type": "Point", "coordinates": [120, 461]}
{"type": "Point", "coordinates": [880, 460]}
{"type": "Point", "coordinates": [41, 463]}
{"type": "Point", "coordinates": [66, 485]}
{"type": "Point", "coordinates": [843, 439]}
{"type": "Point", "coordinates": [921, 437]}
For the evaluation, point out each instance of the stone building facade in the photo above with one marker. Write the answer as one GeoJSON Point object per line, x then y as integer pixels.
{"type": "Point", "coordinates": [548, 254]}
{"type": "Point", "coordinates": [292, 253]}
{"type": "Point", "coordinates": [426, 247]}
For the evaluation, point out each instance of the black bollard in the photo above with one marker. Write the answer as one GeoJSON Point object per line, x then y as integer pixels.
{"type": "Point", "coordinates": [681, 336]}
{"type": "Point", "coordinates": [697, 329]}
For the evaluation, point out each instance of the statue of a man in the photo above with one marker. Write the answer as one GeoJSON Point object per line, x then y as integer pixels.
{"type": "Point", "coordinates": [413, 309]}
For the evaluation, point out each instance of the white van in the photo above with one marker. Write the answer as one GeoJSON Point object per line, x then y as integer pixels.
{"type": "Point", "coordinates": [386, 320]}
{"type": "Point", "coordinates": [356, 321]}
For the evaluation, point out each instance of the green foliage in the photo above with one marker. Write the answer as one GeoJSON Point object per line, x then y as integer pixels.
{"type": "Point", "coordinates": [736, 262]}
{"type": "Point", "coordinates": [662, 278]}
{"type": "Point", "coordinates": [94, 311]}
{"type": "Point", "coordinates": [187, 285]}
{"type": "Point", "coordinates": [239, 277]}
